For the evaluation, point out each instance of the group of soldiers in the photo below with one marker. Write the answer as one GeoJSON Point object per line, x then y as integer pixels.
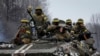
{"type": "Point", "coordinates": [43, 27]}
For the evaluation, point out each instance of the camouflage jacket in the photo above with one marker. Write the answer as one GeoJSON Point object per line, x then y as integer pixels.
{"type": "Point", "coordinates": [78, 30]}
{"type": "Point", "coordinates": [40, 20]}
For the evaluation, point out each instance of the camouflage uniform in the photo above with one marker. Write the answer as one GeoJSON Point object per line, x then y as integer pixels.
{"type": "Point", "coordinates": [26, 38]}
{"type": "Point", "coordinates": [39, 17]}
{"type": "Point", "coordinates": [81, 33]}
{"type": "Point", "coordinates": [53, 28]}
{"type": "Point", "coordinates": [63, 34]}
{"type": "Point", "coordinates": [22, 32]}
{"type": "Point", "coordinates": [40, 21]}
{"type": "Point", "coordinates": [59, 32]}
{"type": "Point", "coordinates": [25, 26]}
{"type": "Point", "coordinates": [69, 25]}
{"type": "Point", "coordinates": [79, 29]}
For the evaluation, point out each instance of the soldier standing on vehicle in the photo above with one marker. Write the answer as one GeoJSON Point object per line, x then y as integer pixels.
{"type": "Point", "coordinates": [40, 20]}
{"type": "Point", "coordinates": [39, 17]}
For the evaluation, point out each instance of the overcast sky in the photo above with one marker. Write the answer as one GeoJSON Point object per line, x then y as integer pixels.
{"type": "Point", "coordinates": [74, 9]}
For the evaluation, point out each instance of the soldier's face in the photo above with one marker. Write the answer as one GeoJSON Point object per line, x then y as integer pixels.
{"type": "Point", "coordinates": [69, 23]}
{"type": "Point", "coordinates": [55, 23]}
{"type": "Point", "coordinates": [38, 12]}
{"type": "Point", "coordinates": [81, 24]}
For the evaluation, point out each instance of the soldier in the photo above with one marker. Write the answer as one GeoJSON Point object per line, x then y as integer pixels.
{"type": "Point", "coordinates": [69, 24]}
{"type": "Point", "coordinates": [52, 28]}
{"type": "Point", "coordinates": [79, 28]}
{"type": "Point", "coordinates": [40, 20]}
{"type": "Point", "coordinates": [81, 33]}
{"type": "Point", "coordinates": [38, 16]}
{"type": "Point", "coordinates": [58, 32]}
{"type": "Point", "coordinates": [22, 31]}
{"type": "Point", "coordinates": [24, 26]}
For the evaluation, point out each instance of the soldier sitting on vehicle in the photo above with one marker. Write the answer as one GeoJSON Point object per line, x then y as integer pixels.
{"type": "Point", "coordinates": [52, 28]}
{"type": "Point", "coordinates": [24, 27]}
{"type": "Point", "coordinates": [78, 29]}
{"type": "Point", "coordinates": [59, 32]}
{"type": "Point", "coordinates": [80, 32]}
{"type": "Point", "coordinates": [69, 25]}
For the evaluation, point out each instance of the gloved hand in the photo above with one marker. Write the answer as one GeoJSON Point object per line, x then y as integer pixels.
{"type": "Point", "coordinates": [29, 9]}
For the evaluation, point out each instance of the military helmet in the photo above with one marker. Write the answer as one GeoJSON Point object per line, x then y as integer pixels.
{"type": "Point", "coordinates": [55, 20]}
{"type": "Point", "coordinates": [80, 20]}
{"type": "Point", "coordinates": [24, 21]}
{"type": "Point", "coordinates": [38, 8]}
{"type": "Point", "coordinates": [68, 21]}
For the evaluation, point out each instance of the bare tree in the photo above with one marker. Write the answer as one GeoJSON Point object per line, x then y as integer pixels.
{"type": "Point", "coordinates": [12, 11]}
{"type": "Point", "coordinates": [94, 26]}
